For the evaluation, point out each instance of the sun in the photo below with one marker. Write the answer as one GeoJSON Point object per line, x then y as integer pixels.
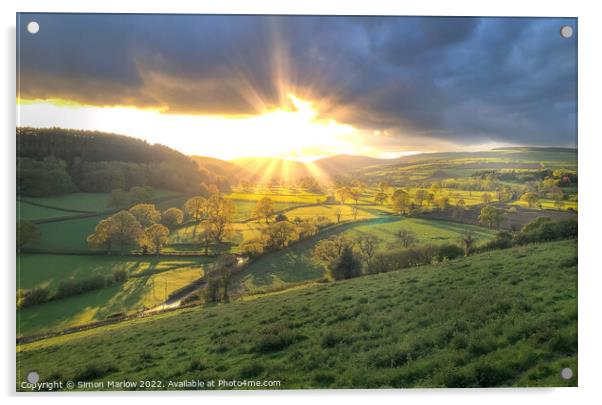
{"type": "Point", "coordinates": [292, 131]}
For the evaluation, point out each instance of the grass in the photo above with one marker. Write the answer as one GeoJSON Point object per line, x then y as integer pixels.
{"type": "Point", "coordinates": [43, 270]}
{"type": "Point", "coordinates": [245, 208]}
{"type": "Point", "coordinates": [146, 290]}
{"type": "Point", "coordinates": [30, 212]}
{"type": "Point", "coordinates": [294, 264]}
{"type": "Point", "coordinates": [67, 235]}
{"type": "Point", "coordinates": [92, 202]}
{"type": "Point", "coordinates": [277, 194]}
{"type": "Point", "coordinates": [426, 231]}
{"type": "Point", "coordinates": [329, 211]}
{"type": "Point", "coordinates": [505, 318]}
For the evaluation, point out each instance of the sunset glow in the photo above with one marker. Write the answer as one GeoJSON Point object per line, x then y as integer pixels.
{"type": "Point", "coordinates": [296, 132]}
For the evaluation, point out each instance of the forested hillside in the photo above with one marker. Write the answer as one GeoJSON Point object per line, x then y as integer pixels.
{"type": "Point", "coordinates": [54, 161]}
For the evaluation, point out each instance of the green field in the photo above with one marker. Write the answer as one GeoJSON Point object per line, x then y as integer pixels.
{"type": "Point", "coordinates": [145, 288]}
{"type": "Point", "coordinates": [89, 202]}
{"type": "Point", "coordinates": [505, 318]}
{"type": "Point", "coordinates": [330, 212]}
{"type": "Point", "coordinates": [42, 270]}
{"type": "Point", "coordinates": [294, 264]}
{"type": "Point", "coordinates": [69, 235]}
{"type": "Point", "coordinates": [30, 212]}
{"type": "Point", "coordinates": [277, 194]}
{"type": "Point", "coordinates": [245, 208]}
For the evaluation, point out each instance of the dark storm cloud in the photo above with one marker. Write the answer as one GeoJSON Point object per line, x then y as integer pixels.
{"type": "Point", "coordinates": [461, 79]}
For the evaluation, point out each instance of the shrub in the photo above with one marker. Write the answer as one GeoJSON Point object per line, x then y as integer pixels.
{"type": "Point", "coordinates": [323, 221]}
{"type": "Point", "coordinates": [27, 298]}
{"type": "Point", "coordinates": [71, 287]}
{"type": "Point", "coordinates": [274, 338]}
{"type": "Point", "coordinates": [544, 230]}
{"type": "Point", "coordinates": [251, 370]}
{"type": "Point", "coordinates": [94, 371]}
{"type": "Point", "coordinates": [120, 275]}
{"type": "Point", "coordinates": [252, 247]}
{"type": "Point", "coordinates": [331, 339]}
{"type": "Point", "coordinates": [449, 252]}
{"type": "Point", "coordinates": [348, 266]}
{"type": "Point", "coordinates": [401, 259]}
{"type": "Point", "coordinates": [280, 218]}
{"type": "Point", "coordinates": [502, 240]}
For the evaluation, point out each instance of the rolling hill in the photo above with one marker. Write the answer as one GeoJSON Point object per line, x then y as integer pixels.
{"type": "Point", "coordinates": [342, 164]}
{"type": "Point", "coordinates": [219, 167]}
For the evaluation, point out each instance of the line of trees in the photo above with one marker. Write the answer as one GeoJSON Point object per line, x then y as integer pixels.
{"type": "Point", "coordinates": [139, 226]}
{"type": "Point", "coordinates": [346, 257]}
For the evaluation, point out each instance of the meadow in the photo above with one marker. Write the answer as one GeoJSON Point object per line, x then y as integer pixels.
{"type": "Point", "coordinates": [505, 318]}
{"type": "Point", "coordinates": [150, 283]}
{"type": "Point", "coordinates": [295, 264]}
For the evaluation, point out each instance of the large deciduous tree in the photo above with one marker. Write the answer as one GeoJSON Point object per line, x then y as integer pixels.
{"type": "Point", "coordinates": [329, 250]}
{"type": "Point", "coordinates": [118, 198]}
{"type": "Point", "coordinates": [172, 217]}
{"type": "Point", "coordinates": [406, 238]}
{"type": "Point", "coordinates": [121, 229]}
{"type": "Point", "coordinates": [343, 193]}
{"type": "Point", "coordinates": [141, 194]}
{"type": "Point", "coordinates": [27, 233]}
{"type": "Point", "coordinates": [530, 198]}
{"type": "Point", "coordinates": [380, 197]}
{"type": "Point", "coordinates": [196, 208]}
{"type": "Point", "coordinates": [156, 236]}
{"type": "Point", "coordinates": [400, 202]}
{"type": "Point", "coordinates": [280, 234]}
{"type": "Point", "coordinates": [492, 216]}
{"type": "Point", "coordinates": [220, 212]}
{"type": "Point", "coordinates": [146, 214]}
{"type": "Point", "coordinates": [264, 209]}
{"type": "Point", "coordinates": [468, 241]}
{"type": "Point", "coordinates": [368, 245]}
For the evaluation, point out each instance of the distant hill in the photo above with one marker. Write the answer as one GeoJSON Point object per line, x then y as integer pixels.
{"type": "Point", "coordinates": [342, 164]}
{"type": "Point", "coordinates": [218, 166]}
{"type": "Point", "coordinates": [538, 149]}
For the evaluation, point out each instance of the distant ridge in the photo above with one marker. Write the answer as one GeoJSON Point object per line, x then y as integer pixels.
{"type": "Point", "coordinates": [217, 166]}
{"type": "Point", "coordinates": [539, 149]}
{"type": "Point", "coordinates": [342, 164]}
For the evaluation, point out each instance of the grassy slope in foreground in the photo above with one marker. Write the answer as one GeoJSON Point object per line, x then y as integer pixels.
{"type": "Point", "coordinates": [504, 318]}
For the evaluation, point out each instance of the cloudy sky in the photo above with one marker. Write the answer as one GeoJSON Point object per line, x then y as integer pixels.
{"type": "Point", "coordinates": [302, 86]}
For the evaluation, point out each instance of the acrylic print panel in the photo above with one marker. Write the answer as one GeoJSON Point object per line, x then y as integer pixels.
{"type": "Point", "coordinates": [293, 202]}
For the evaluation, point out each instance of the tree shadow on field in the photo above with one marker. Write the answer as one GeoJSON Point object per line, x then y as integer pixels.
{"type": "Point", "coordinates": [294, 264]}
{"type": "Point", "coordinates": [84, 308]}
